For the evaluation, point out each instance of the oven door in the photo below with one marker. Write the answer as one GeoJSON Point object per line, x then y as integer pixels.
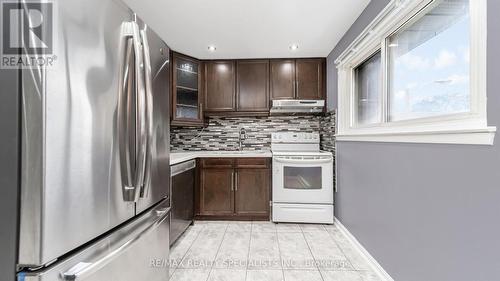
{"type": "Point", "coordinates": [303, 179]}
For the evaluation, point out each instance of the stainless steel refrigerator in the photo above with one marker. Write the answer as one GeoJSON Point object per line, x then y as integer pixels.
{"type": "Point", "coordinates": [86, 166]}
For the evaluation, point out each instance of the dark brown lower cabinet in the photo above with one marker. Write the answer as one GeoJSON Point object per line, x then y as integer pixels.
{"type": "Point", "coordinates": [217, 191]}
{"type": "Point", "coordinates": [234, 188]}
{"type": "Point", "coordinates": [252, 192]}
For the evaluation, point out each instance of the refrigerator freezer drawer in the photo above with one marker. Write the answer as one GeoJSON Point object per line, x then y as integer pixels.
{"type": "Point", "coordinates": [137, 251]}
{"type": "Point", "coordinates": [302, 213]}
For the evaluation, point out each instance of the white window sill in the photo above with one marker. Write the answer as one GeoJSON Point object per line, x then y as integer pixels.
{"type": "Point", "coordinates": [481, 136]}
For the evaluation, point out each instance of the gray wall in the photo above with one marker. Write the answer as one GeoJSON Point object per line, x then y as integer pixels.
{"type": "Point", "coordinates": [425, 211]}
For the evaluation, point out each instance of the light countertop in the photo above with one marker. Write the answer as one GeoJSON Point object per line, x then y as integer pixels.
{"type": "Point", "coordinates": [181, 156]}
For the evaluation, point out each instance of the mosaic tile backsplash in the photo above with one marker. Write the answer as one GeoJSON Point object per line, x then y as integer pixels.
{"type": "Point", "coordinates": [327, 125]}
{"type": "Point", "coordinates": [327, 136]}
{"type": "Point", "coordinates": [222, 132]}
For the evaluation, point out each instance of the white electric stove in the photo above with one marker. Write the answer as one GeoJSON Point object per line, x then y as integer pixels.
{"type": "Point", "coordinates": [302, 179]}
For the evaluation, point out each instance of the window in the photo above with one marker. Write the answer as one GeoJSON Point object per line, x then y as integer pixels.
{"type": "Point", "coordinates": [417, 74]}
{"type": "Point", "coordinates": [368, 78]}
{"type": "Point", "coordinates": [429, 64]}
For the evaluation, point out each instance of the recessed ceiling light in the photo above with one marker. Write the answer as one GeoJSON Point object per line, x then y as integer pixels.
{"type": "Point", "coordinates": [212, 48]}
{"type": "Point", "coordinates": [293, 47]}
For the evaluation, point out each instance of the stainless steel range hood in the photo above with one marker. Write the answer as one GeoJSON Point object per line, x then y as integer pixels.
{"type": "Point", "coordinates": [297, 106]}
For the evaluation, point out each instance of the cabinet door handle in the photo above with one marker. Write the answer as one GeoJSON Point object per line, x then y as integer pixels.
{"type": "Point", "coordinates": [232, 181]}
{"type": "Point", "coordinates": [237, 182]}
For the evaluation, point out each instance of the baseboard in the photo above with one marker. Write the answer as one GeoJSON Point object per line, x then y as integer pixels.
{"type": "Point", "coordinates": [376, 267]}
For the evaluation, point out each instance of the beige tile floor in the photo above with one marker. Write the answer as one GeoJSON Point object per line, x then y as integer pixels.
{"type": "Point", "coordinates": [264, 251]}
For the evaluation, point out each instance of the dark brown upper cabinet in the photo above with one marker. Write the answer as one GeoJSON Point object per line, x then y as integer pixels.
{"type": "Point", "coordinates": [297, 79]}
{"type": "Point", "coordinates": [282, 79]}
{"type": "Point", "coordinates": [187, 107]}
{"type": "Point", "coordinates": [252, 85]}
{"type": "Point", "coordinates": [245, 87]}
{"type": "Point", "coordinates": [309, 79]}
{"type": "Point", "coordinates": [220, 86]}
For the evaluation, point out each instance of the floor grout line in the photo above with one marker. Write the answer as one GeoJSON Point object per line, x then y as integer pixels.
{"type": "Point", "coordinates": [248, 253]}
{"type": "Point", "coordinates": [312, 254]}
{"type": "Point", "coordinates": [217, 253]}
{"type": "Point", "coordinates": [340, 248]}
{"type": "Point", "coordinates": [279, 250]}
{"type": "Point", "coordinates": [185, 253]}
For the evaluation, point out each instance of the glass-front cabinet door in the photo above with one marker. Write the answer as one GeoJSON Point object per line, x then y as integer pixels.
{"type": "Point", "coordinates": [186, 100]}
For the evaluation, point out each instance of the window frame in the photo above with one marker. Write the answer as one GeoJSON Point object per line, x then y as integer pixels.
{"type": "Point", "coordinates": [460, 128]}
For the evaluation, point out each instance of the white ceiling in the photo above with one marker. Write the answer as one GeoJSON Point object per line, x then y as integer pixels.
{"type": "Point", "coordinates": [250, 28]}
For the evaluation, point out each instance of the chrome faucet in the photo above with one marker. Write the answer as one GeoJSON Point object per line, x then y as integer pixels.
{"type": "Point", "coordinates": [241, 136]}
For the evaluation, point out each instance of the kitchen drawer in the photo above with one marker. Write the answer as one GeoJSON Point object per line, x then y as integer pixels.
{"type": "Point", "coordinates": [217, 162]}
{"type": "Point", "coordinates": [303, 213]}
{"type": "Point", "coordinates": [252, 163]}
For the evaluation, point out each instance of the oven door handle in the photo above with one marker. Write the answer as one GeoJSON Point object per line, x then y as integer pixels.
{"type": "Point", "coordinates": [303, 161]}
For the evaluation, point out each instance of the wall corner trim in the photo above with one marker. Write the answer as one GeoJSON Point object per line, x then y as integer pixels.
{"type": "Point", "coordinates": [375, 266]}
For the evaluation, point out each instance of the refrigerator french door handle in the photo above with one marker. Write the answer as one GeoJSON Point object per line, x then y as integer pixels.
{"type": "Point", "coordinates": [149, 111]}
{"type": "Point", "coordinates": [124, 107]}
{"type": "Point", "coordinates": [141, 117]}
{"type": "Point", "coordinates": [132, 183]}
